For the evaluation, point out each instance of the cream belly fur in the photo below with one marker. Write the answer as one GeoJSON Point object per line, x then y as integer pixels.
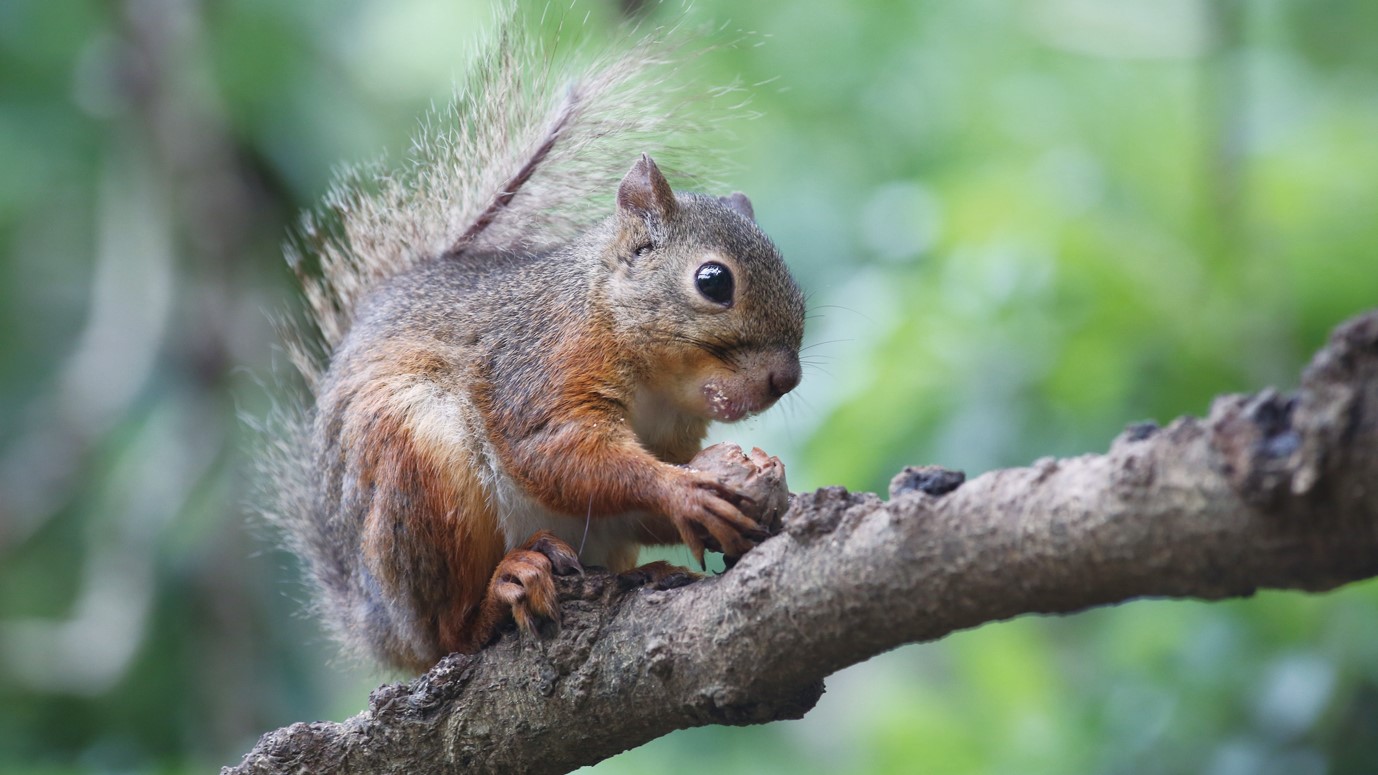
{"type": "Point", "coordinates": [451, 422]}
{"type": "Point", "coordinates": [609, 541]}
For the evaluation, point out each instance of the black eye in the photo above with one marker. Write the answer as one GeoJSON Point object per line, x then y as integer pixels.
{"type": "Point", "coordinates": [644, 249]}
{"type": "Point", "coordinates": [714, 281]}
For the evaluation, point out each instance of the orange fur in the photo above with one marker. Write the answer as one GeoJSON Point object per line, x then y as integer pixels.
{"type": "Point", "coordinates": [574, 451]}
{"type": "Point", "coordinates": [430, 536]}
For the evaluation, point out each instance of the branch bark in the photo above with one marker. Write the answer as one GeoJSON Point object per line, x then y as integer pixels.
{"type": "Point", "coordinates": [1268, 491]}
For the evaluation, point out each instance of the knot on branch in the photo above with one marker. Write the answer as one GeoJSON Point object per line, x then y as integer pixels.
{"type": "Point", "coordinates": [818, 513]}
{"type": "Point", "coordinates": [1257, 441]}
{"type": "Point", "coordinates": [1272, 447]}
{"type": "Point", "coordinates": [1139, 431]}
{"type": "Point", "coordinates": [423, 697]}
{"type": "Point", "coordinates": [933, 480]}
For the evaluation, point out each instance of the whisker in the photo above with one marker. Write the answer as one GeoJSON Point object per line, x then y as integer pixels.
{"type": "Point", "coordinates": [716, 346]}
{"type": "Point", "coordinates": [588, 518]}
{"type": "Point", "coordinates": [827, 341]}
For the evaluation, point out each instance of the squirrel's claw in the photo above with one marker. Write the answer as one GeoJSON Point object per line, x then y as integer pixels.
{"type": "Point", "coordinates": [564, 561]}
{"type": "Point", "coordinates": [658, 575]}
{"type": "Point", "coordinates": [696, 547]}
{"type": "Point", "coordinates": [707, 515]}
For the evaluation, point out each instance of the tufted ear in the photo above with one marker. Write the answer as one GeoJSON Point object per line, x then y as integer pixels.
{"type": "Point", "coordinates": [738, 202]}
{"type": "Point", "coordinates": [645, 192]}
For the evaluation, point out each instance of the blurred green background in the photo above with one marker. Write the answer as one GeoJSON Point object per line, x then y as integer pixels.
{"type": "Point", "coordinates": [1022, 225]}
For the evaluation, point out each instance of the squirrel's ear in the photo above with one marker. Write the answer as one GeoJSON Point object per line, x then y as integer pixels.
{"type": "Point", "coordinates": [645, 192]}
{"type": "Point", "coordinates": [738, 202]}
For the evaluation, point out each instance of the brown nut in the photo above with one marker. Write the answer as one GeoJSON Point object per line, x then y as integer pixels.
{"type": "Point", "coordinates": [757, 477]}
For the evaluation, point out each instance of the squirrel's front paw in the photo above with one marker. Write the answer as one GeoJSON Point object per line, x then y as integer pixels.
{"type": "Point", "coordinates": [729, 500]}
{"type": "Point", "coordinates": [708, 514]}
{"type": "Point", "coordinates": [524, 581]}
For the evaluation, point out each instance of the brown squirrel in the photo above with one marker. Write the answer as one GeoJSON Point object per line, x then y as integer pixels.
{"type": "Point", "coordinates": [498, 392]}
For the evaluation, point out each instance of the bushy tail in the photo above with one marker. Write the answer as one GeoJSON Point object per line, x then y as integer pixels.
{"type": "Point", "coordinates": [528, 154]}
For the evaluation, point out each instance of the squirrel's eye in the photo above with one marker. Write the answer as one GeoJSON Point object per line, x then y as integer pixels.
{"type": "Point", "coordinates": [714, 281]}
{"type": "Point", "coordinates": [644, 249]}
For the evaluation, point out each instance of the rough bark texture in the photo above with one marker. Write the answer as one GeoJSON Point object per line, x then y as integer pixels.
{"type": "Point", "coordinates": [1269, 491]}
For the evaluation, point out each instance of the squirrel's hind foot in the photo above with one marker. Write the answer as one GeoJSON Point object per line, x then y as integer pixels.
{"type": "Point", "coordinates": [523, 584]}
{"type": "Point", "coordinates": [657, 575]}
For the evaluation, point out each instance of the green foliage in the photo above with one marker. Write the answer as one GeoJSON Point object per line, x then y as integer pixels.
{"type": "Point", "coordinates": [1022, 226]}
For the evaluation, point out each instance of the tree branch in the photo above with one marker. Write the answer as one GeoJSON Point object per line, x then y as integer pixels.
{"type": "Point", "coordinates": [1269, 491]}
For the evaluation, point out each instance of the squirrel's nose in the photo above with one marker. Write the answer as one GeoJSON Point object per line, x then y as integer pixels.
{"type": "Point", "coordinates": [784, 378]}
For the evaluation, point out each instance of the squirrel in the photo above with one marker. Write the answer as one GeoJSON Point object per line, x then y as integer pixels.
{"type": "Point", "coordinates": [500, 373]}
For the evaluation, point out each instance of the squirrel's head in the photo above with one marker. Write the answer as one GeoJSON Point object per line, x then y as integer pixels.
{"type": "Point", "coordinates": [705, 296]}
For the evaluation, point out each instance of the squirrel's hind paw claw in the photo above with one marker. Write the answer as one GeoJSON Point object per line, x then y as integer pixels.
{"type": "Point", "coordinates": [564, 561]}
{"type": "Point", "coordinates": [658, 575]}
